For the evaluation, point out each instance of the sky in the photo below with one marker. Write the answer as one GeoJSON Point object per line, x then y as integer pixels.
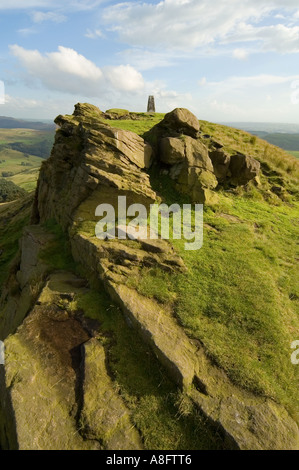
{"type": "Point", "coordinates": [225, 60]}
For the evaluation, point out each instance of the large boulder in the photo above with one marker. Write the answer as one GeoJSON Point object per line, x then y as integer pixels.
{"type": "Point", "coordinates": [178, 122]}
{"type": "Point", "coordinates": [182, 121]}
{"type": "Point", "coordinates": [243, 169]}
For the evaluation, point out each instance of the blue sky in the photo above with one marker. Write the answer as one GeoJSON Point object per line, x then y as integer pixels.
{"type": "Point", "coordinates": [224, 60]}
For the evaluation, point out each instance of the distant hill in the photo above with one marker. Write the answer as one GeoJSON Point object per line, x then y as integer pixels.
{"type": "Point", "coordinates": [11, 123]}
{"type": "Point", "coordinates": [282, 140]}
{"type": "Point", "coordinates": [285, 136]}
{"type": "Point", "coordinates": [10, 191]}
{"type": "Point", "coordinates": [266, 127]}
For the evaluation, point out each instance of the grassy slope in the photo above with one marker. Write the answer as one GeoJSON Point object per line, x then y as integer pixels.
{"type": "Point", "coordinates": [240, 296]}
{"type": "Point", "coordinates": [140, 126]}
{"type": "Point", "coordinates": [29, 140]}
{"type": "Point", "coordinates": [9, 191]}
{"type": "Point", "coordinates": [19, 161]}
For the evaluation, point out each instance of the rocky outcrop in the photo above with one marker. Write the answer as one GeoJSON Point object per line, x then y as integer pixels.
{"type": "Point", "coordinates": [91, 156]}
{"type": "Point", "coordinates": [197, 166]}
{"type": "Point", "coordinates": [93, 163]}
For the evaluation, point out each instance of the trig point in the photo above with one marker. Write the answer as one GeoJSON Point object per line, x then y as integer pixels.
{"type": "Point", "coordinates": [151, 105]}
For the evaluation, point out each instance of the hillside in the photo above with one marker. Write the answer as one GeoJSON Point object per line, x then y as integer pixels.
{"type": "Point", "coordinates": [142, 344]}
{"type": "Point", "coordinates": [11, 123]}
{"type": "Point", "coordinates": [21, 154]}
{"type": "Point", "coordinates": [9, 191]}
{"type": "Point", "coordinates": [285, 136]}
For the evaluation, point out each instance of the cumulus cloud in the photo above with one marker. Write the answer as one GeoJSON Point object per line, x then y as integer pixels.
{"type": "Point", "coordinates": [124, 77]}
{"type": "Point", "coordinates": [191, 24]}
{"type": "Point", "coordinates": [68, 71]}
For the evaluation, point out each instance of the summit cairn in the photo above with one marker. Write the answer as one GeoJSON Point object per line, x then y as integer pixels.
{"type": "Point", "coordinates": [151, 105]}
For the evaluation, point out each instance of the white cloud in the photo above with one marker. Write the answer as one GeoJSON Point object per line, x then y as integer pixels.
{"type": "Point", "coordinates": [278, 38]}
{"type": "Point", "coordinates": [97, 33]}
{"type": "Point", "coordinates": [68, 71]}
{"type": "Point", "coordinates": [40, 17]}
{"type": "Point", "coordinates": [124, 77]}
{"type": "Point", "coordinates": [263, 97]}
{"type": "Point", "coordinates": [240, 54]}
{"type": "Point", "coordinates": [191, 24]}
{"type": "Point", "coordinates": [21, 103]}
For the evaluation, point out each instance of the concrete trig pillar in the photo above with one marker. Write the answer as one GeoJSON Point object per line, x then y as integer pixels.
{"type": "Point", "coordinates": [151, 105]}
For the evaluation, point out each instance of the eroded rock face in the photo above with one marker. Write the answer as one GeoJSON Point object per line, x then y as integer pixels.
{"type": "Point", "coordinates": [38, 385]}
{"type": "Point", "coordinates": [56, 392]}
{"type": "Point", "coordinates": [89, 155]}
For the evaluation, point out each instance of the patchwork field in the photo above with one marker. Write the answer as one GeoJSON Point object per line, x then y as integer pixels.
{"type": "Point", "coordinates": [21, 154]}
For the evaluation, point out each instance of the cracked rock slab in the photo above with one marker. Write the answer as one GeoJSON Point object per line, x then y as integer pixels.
{"type": "Point", "coordinates": [104, 416]}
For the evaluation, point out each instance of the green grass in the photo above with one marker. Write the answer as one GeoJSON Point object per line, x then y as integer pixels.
{"type": "Point", "coordinates": [27, 179]}
{"type": "Point", "coordinates": [142, 124]}
{"type": "Point", "coordinates": [21, 154]}
{"type": "Point", "coordinates": [240, 295]}
{"type": "Point", "coordinates": [9, 191]}
{"type": "Point", "coordinates": [29, 141]}
{"type": "Point", "coordinates": [16, 162]}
